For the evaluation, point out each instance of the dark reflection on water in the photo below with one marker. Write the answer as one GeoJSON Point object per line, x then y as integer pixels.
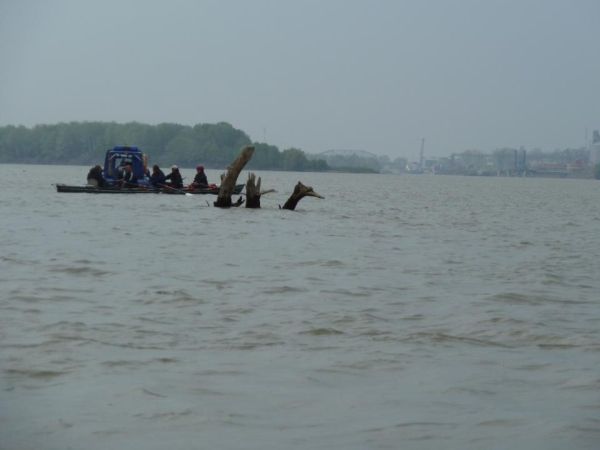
{"type": "Point", "coordinates": [401, 311]}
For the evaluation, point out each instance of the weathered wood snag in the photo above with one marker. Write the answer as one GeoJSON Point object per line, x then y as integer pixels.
{"type": "Point", "coordinates": [229, 179]}
{"type": "Point", "coordinates": [253, 192]}
{"type": "Point", "coordinates": [300, 191]}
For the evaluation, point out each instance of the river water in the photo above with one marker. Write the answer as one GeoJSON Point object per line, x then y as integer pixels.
{"type": "Point", "coordinates": [417, 312]}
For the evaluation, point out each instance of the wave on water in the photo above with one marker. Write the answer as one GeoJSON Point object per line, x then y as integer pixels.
{"type": "Point", "coordinates": [82, 271]}
{"type": "Point", "coordinates": [322, 332]}
{"type": "Point", "coordinates": [31, 373]}
{"type": "Point", "coordinates": [283, 290]}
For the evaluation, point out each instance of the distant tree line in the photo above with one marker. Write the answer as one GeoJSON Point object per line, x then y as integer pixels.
{"type": "Point", "coordinates": [353, 163]}
{"type": "Point", "coordinates": [85, 143]}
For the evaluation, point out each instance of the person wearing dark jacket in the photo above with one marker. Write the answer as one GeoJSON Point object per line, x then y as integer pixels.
{"type": "Point", "coordinates": [157, 179]}
{"type": "Point", "coordinates": [200, 180]}
{"type": "Point", "coordinates": [95, 177]}
{"type": "Point", "coordinates": [129, 179]}
{"type": "Point", "coordinates": [175, 177]}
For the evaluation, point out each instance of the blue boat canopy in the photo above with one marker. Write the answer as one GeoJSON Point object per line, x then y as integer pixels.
{"type": "Point", "coordinates": [118, 157]}
{"type": "Point", "coordinates": [120, 148]}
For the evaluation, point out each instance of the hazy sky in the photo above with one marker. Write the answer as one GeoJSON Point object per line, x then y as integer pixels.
{"type": "Point", "coordinates": [326, 74]}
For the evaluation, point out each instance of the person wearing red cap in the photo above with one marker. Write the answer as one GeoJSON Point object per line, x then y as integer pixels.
{"type": "Point", "coordinates": [200, 180]}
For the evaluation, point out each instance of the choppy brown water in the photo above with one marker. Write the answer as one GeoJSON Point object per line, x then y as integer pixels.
{"type": "Point", "coordinates": [400, 312]}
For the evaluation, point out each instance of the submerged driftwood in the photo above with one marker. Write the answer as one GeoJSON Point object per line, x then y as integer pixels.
{"type": "Point", "coordinates": [253, 192]}
{"type": "Point", "coordinates": [300, 191]}
{"type": "Point", "coordinates": [229, 179]}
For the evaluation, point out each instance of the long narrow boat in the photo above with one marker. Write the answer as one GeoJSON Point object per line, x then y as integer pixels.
{"type": "Point", "coordinates": [115, 161]}
{"type": "Point", "coordinates": [140, 190]}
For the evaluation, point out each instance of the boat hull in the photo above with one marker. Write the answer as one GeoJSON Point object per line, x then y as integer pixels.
{"type": "Point", "coordinates": [64, 188]}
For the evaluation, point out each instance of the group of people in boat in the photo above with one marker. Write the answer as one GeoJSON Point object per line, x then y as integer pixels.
{"type": "Point", "coordinates": [158, 179]}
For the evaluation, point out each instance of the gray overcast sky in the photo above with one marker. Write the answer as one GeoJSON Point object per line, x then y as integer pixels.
{"type": "Point", "coordinates": [327, 74]}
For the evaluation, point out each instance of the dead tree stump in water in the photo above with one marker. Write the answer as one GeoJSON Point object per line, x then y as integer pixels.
{"type": "Point", "coordinates": [229, 179]}
{"type": "Point", "coordinates": [300, 191]}
{"type": "Point", "coordinates": [253, 192]}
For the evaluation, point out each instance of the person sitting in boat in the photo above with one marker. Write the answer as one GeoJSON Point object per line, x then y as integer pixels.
{"type": "Point", "coordinates": [200, 180]}
{"type": "Point", "coordinates": [121, 169]}
{"type": "Point", "coordinates": [175, 177]}
{"type": "Point", "coordinates": [129, 179]}
{"type": "Point", "coordinates": [95, 177]}
{"type": "Point", "coordinates": [157, 179]}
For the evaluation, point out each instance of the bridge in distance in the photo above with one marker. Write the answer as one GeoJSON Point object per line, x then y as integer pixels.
{"type": "Point", "coordinates": [359, 153]}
